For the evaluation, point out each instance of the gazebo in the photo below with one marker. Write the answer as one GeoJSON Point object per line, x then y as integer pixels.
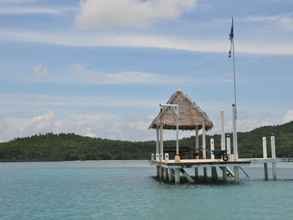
{"type": "Point", "coordinates": [181, 113]}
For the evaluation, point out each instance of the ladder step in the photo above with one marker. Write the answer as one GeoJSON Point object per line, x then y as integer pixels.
{"type": "Point", "coordinates": [189, 178]}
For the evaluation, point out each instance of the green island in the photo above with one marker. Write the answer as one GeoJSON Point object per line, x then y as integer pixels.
{"type": "Point", "coordinates": [70, 147]}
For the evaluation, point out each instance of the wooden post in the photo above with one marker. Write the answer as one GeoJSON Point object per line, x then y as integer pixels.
{"type": "Point", "coordinates": [158, 141]}
{"type": "Point", "coordinates": [177, 175]}
{"type": "Point", "coordinates": [236, 174]}
{"type": "Point", "coordinates": [266, 174]}
{"type": "Point", "coordinates": [222, 131]}
{"type": "Point", "coordinates": [265, 156]}
{"type": "Point", "coordinates": [158, 172]}
{"type": "Point", "coordinates": [214, 173]}
{"type": "Point", "coordinates": [196, 173]}
{"type": "Point", "coordinates": [264, 148]}
{"type": "Point", "coordinates": [161, 143]}
{"type": "Point", "coordinates": [274, 164]}
{"type": "Point", "coordinates": [212, 147]}
{"type": "Point", "coordinates": [228, 141]}
{"type": "Point", "coordinates": [196, 142]}
{"type": "Point", "coordinates": [224, 169]}
{"type": "Point", "coordinates": [204, 153]}
{"type": "Point", "coordinates": [165, 174]}
{"type": "Point", "coordinates": [205, 173]}
{"type": "Point", "coordinates": [170, 175]}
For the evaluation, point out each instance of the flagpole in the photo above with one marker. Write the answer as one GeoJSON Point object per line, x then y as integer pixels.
{"type": "Point", "coordinates": [234, 106]}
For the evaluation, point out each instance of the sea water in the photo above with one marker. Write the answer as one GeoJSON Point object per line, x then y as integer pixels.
{"type": "Point", "coordinates": [125, 190]}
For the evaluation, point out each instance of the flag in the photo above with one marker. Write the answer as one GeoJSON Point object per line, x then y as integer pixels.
{"type": "Point", "coordinates": [231, 38]}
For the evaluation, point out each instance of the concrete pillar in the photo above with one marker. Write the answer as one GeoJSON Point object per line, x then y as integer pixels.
{"type": "Point", "coordinates": [204, 153]}
{"type": "Point", "coordinates": [236, 174]}
{"type": "Point", "coordinates": [177, 175]}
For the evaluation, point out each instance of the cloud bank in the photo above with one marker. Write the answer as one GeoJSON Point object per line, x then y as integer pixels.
{"type": "Point", "coordinates": [108, 13]}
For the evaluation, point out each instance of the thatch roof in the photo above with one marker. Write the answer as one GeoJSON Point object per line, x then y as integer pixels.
{"type": "Point", "coordinates": [190, 115]}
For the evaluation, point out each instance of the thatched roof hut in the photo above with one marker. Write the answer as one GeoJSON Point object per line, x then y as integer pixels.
{"type": "Point", "coordinates": [191, 116]}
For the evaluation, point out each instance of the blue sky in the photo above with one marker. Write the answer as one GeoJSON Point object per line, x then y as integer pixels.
{"type": "Point", "coordinates": [101, 67]}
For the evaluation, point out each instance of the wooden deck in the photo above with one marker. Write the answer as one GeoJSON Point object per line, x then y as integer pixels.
{"type": "Point", "coordinates": [200, 162]}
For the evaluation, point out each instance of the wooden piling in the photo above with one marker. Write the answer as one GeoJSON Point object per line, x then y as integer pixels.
{"type": "Point", "coordinates": [274, 164]}
{"type": "Point", "coordinates": [205, 173]}
{"type": "Point", "coordinates": [224, 170]}
{"type": "Point", "coordinates": [266, 174]}
{"type": "Point", "coordinates": [236, 174]}
{"type": "Point", "coordinates": [214, 173]}
{"type": "Point", "coordinates": [196, 173]}
{"type": "Point", "coordinates": [177, 175]}
{"type": "Point", "coordinates": [170, 179]}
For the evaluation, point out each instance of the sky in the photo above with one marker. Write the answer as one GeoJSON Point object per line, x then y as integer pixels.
{"type": "Point", "coordinates": [100, 68]}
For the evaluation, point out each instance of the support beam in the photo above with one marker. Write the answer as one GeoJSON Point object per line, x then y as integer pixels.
{"type": "Point", "coordinates": [236, 174]}
{"type": "Point", "coordinates": [196, 142]}
{"type": "Point", "coordinates": [196, 173]}
{"type": "Point", "coordinates": [214, 173]}
{"type": "Point", "coordinates": [161, 143]}
{"type": "Point", "coordinates": [205, 173]}
{"type": "Point", "coordinates": [158, 141]}
{"type": "Point", "coordinates": [235, 139]}
{"type": "Point", "coordinates": [204, 153]}
{"type": "Point", "coordinates": [170, 179]}
{"type": "Point", "coordinates": [189, 178]}
{"type": "Point", "coordinates": [222, 131]}
{"type": "Point", "coordinates": [265, 156]}
{"type": "Point", "coordinates": [274, 164]}
{"type": "Point", "coordinates": [266, 174]}
{"type": "Point", "coordinates": [165, 174]}
{"type": "Point", "coordinates": [158, 172]}
{"type": "Point", "coordinates": [212, 147]}
{"type": "Point", "coordinates": [228, 141]}
{"type": "Point", "coordinates": [264, 148]}
{"type": "Point", "coordinates": [177, 175]}
{"type": "Point", "coordinates": [224, 170]}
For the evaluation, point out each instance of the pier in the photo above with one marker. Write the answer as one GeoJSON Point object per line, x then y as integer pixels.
{"type": "Point", "coordinates": [207, 163]}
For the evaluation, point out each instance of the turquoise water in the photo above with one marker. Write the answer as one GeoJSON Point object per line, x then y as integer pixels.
{"type": "Point", "coordinates": [124, 190]}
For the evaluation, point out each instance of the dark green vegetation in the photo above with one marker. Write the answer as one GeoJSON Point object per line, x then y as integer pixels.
{"type": "Point", "coordinates": [59, 147]}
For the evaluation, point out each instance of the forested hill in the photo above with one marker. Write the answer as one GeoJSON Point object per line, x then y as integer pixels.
{"type": "Point", "coordinates": [62, 147]}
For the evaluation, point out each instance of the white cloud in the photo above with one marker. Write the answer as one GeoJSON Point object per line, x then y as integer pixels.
{"type": "Point", "coordinates": [40, 70]}
{"type": "Point", "coordinates": [145, 41]}
{"type": "Point", "coordinates": [30, 10]}
{"type": "Point", "coordinates": [85, 75]}
{"type": "Point", "coordinates": [97, 124]}
{"type": "Point", "coordinates": [288, 116]}
{"type": "Point", "coordinates": [105, 13]}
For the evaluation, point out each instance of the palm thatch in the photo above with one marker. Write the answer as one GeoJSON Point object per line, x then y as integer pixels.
{"type": "Point", "coordinates": [190, 115]}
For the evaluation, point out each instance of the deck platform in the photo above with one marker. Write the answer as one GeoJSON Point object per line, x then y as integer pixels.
{"type": "Point", "coordinates": [199, 162]}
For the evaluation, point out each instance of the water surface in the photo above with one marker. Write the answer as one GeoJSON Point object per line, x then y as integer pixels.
{"type": "Point", "coordinates": [125, 190]}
